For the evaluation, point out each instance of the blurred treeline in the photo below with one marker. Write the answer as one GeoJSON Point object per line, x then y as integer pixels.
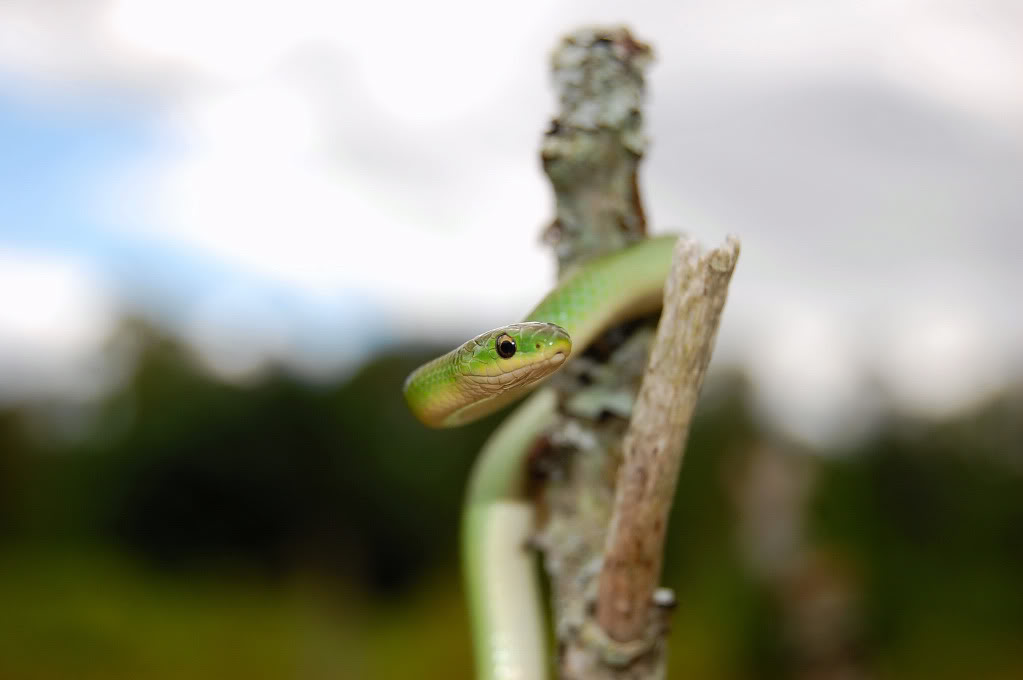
{"type": "Point", "coordinates": [185, 527]}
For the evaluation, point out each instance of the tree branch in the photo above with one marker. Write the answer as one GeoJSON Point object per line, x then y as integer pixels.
{"type": "Point", "coordinates": [591, 154]}
{"type": "Point", "coordinates": [592, 149]}
{"type": "Point", "coordinates": [694, 296]}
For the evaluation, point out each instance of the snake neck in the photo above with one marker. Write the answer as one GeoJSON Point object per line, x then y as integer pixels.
{"type": "Point", "coordinates": [608, 290]}
{"type": "Point", "coordinates": [457, 388]}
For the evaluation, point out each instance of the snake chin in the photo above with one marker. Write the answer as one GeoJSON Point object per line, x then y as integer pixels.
{"type": "Point", "coordinates": [522, 374]}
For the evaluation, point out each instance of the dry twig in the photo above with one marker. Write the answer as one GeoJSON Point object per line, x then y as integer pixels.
{"type": "Point", "coordinates": [694, 296]}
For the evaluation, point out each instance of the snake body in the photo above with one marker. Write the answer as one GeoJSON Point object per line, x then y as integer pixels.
{"type": "Point", "coordinates": [489, 372]}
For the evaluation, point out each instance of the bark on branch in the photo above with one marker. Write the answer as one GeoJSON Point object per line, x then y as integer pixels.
{"type": "Point", "coordinates": [602, 581]}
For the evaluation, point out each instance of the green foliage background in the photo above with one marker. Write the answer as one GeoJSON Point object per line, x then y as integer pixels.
{"type": "Point", "coordinates": [184, 527]}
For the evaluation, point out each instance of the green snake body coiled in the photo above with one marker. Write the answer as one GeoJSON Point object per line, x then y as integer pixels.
{"type": "Point", "coordinates": [490, 371]}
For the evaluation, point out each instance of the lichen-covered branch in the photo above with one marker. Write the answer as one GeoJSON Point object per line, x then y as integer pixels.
{"type": "Point", "coordinates": [694, 297]}
{"type": "Point", "coordinates": [592, 149]}
{"type": "Point", "coordinates": [591, 154]}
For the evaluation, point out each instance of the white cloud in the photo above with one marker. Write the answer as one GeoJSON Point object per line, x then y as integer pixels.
{"type": "Point", "coordinates": [253, 185]}
{"type": "Point", "coordinates": [386, 152]}
{"type": "Point", "coordinates": [237, 334]}
{"type": "Point", "coordinates": [941, 360]}
{"type": "Point", "coordinates": [226, 39]}
{"type": "Point", "coordinates": [54, 321]}
{"type": "Point", "coordinates": [808, 370]}
{"type": "Point", "coordinates": [428, 62]}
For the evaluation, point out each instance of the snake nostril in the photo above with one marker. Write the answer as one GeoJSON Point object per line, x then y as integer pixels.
{"type": "Point", "coordinates": [538, 345]}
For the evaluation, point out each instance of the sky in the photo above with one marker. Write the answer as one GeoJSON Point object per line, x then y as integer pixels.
{"type": "Point", "coordinates": [313, 181]}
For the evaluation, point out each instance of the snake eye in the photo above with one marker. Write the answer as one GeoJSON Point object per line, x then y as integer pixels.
{"type": "Point", "coordinates": [505, 346]}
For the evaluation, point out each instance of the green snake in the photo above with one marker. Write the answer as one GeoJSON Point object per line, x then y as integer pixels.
{"type": "Point", "coordinates": [490, 371]}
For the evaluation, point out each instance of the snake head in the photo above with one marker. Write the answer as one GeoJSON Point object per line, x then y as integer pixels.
{"type": "Point", "coordinates": [513, 356]}
{"type": "Point", "coordinates": [482, 375]}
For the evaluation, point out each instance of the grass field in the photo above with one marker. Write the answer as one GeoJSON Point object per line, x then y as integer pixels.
{"type": "Point", "coordinates": [72, 614]}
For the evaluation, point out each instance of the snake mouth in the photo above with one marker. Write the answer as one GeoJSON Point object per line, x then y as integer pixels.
{"type": "Point", "coordinates": [527, 373]}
